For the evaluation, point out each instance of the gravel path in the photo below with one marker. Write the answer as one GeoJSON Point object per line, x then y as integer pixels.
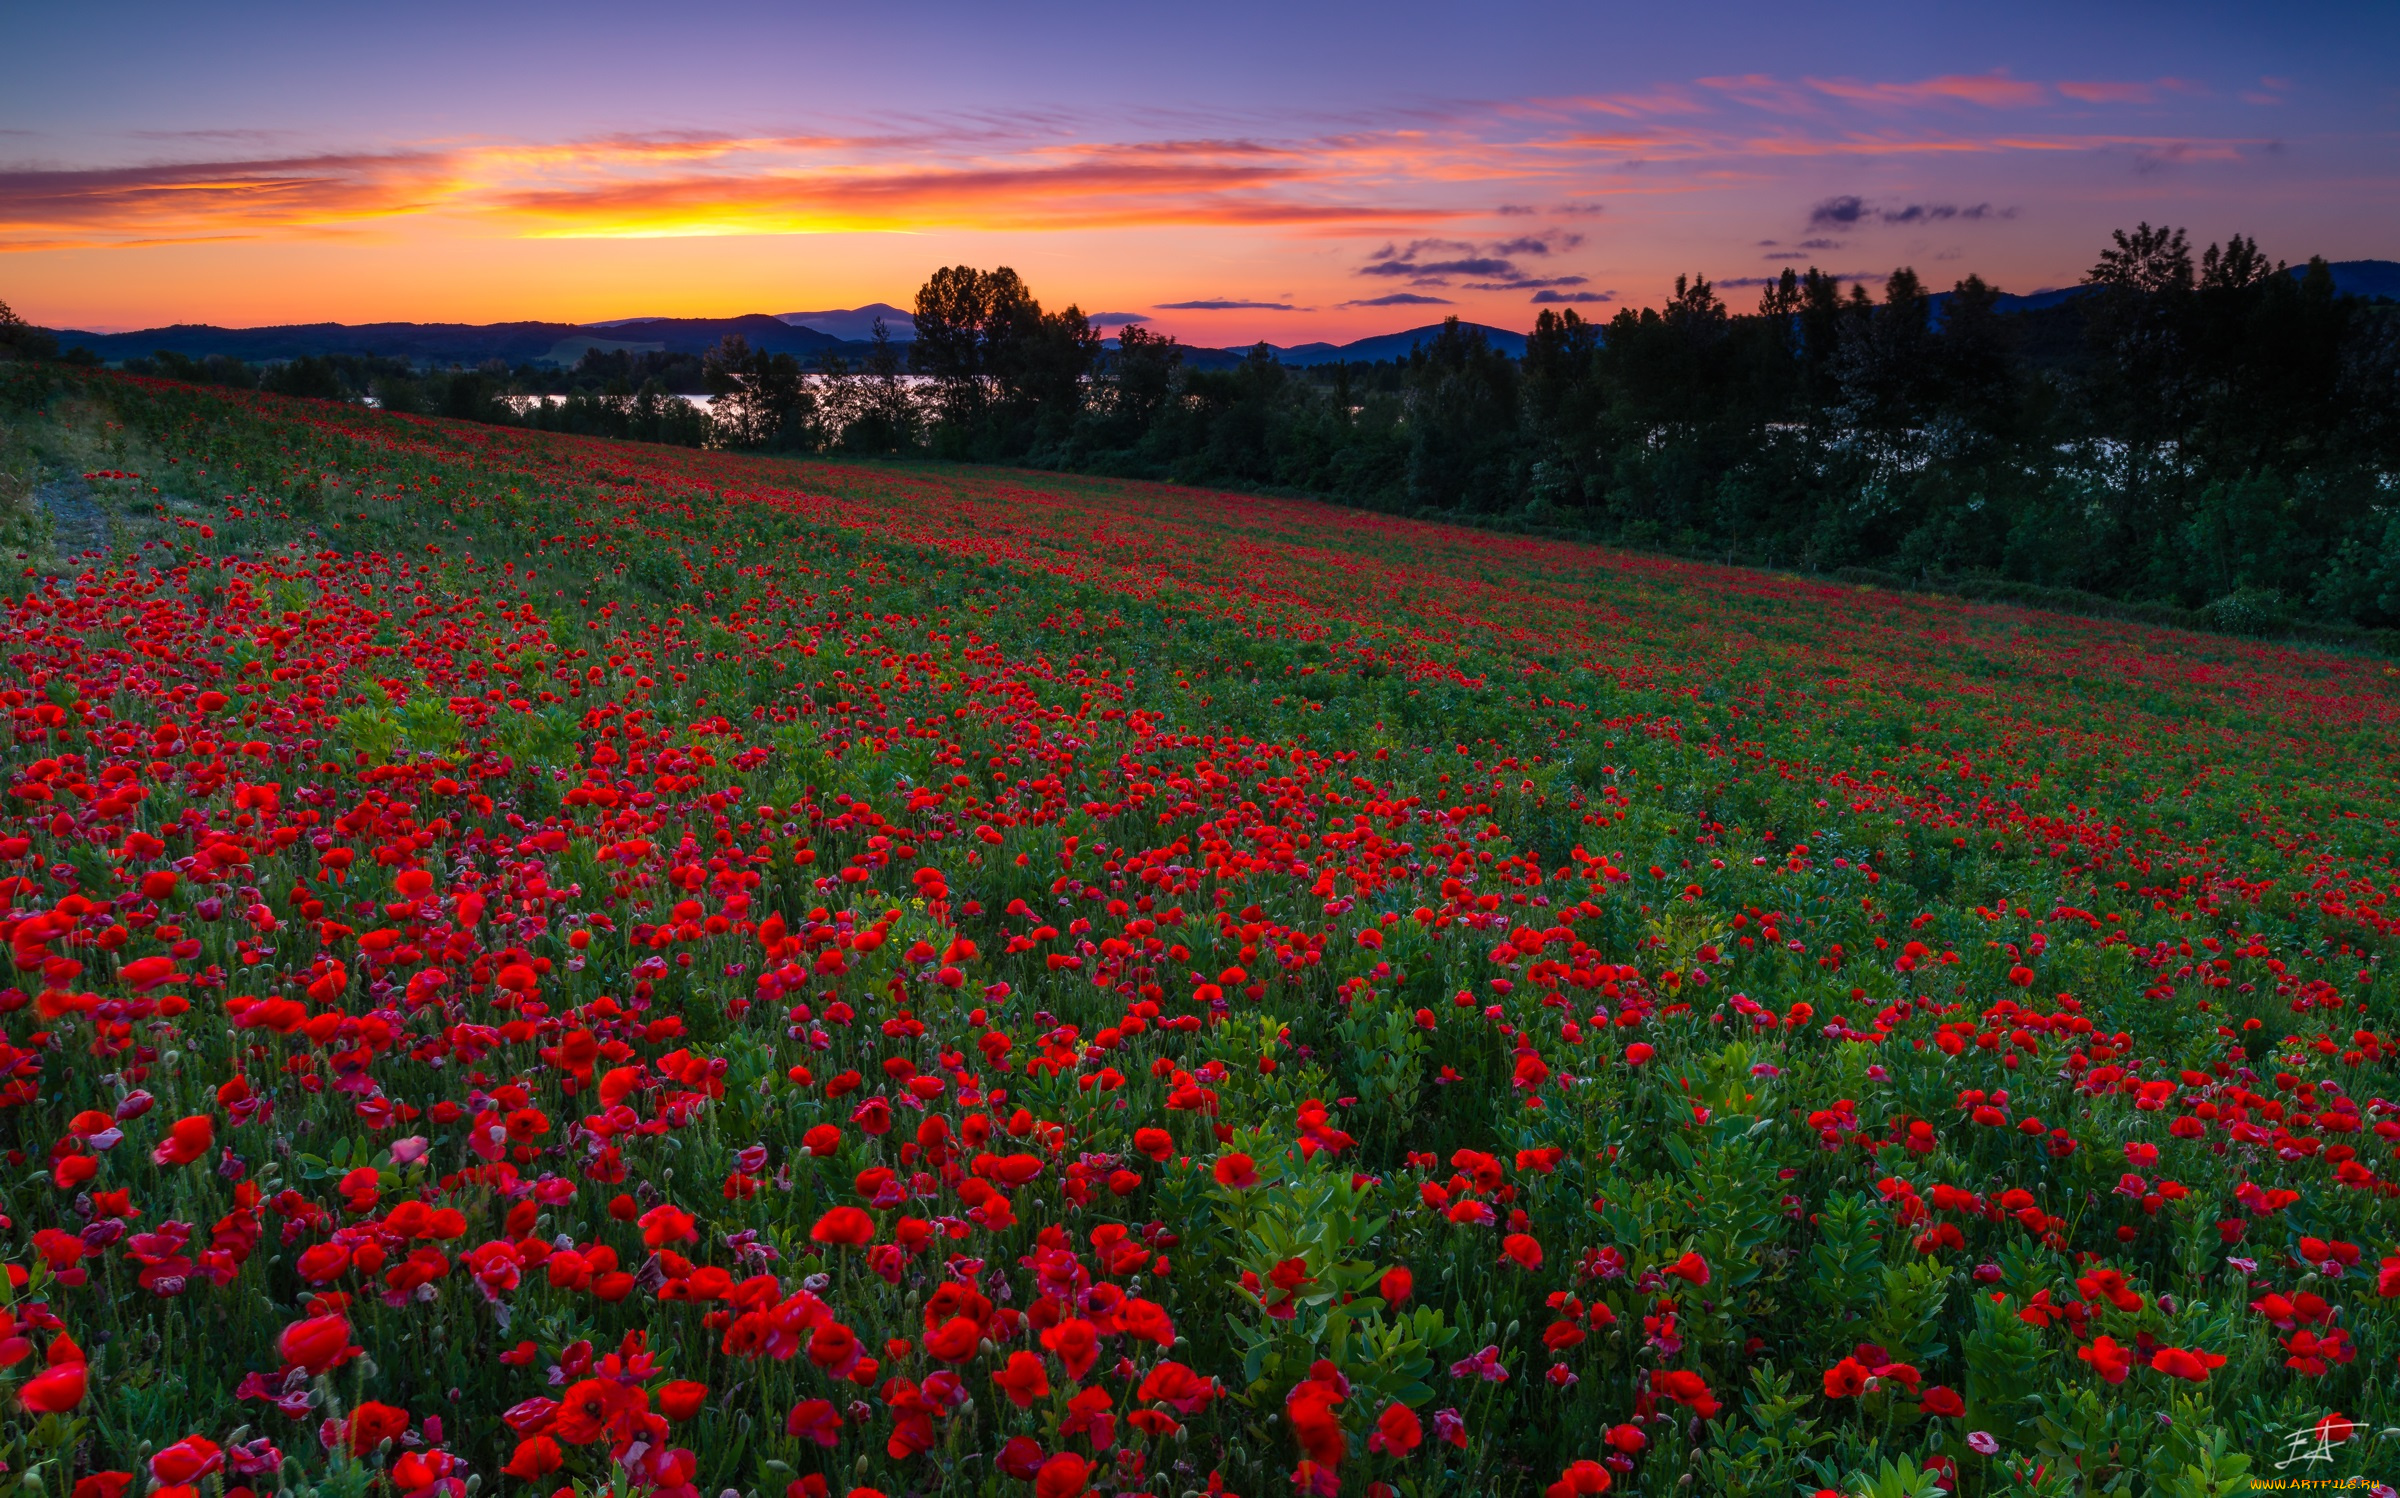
{"type": "Point", "coordinates": [77, 521]}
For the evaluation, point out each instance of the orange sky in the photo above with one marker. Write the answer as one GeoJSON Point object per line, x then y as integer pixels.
{"type": "Point", "coordinates": [1371, 209]}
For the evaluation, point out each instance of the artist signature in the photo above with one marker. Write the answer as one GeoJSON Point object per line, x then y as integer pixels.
{"type": "Point", "coordinates": [2315, 1443]}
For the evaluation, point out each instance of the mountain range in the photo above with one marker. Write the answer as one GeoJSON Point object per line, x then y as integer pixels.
{"type": "Point", "coordinates": [2371, 279]}
{"type": "Point", "coordinates": [857, 324]}
{"type": "Point", "coordinates": [808, 335]}
{"type": "Point", "coordinates": [458, 343]}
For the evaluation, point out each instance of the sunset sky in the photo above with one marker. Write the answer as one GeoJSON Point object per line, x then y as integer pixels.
{"type": "Point", "coordinates": [1229, 172]}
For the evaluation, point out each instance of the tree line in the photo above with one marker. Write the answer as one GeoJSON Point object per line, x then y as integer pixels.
{"type": "Point", "coordinates": [2200, 430]}
{"type": "Point", "coordinates": [2194, 430]}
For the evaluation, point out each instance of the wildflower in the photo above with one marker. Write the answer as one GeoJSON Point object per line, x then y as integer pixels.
{"type": "Point", "coordinates": [2191, 1364]}
{"type": "Point", "coordinates": [1484, 1365]}
{"type": "Point", "coordinates": [682, 1400]}
{"type": "Point", "coordinates": [55, 1390]}
{"type": "Point", "coordinates": [1024, 1380]}
{"type": "Point", "coordinates": [845, 1226]}
{"type": "Point", "coordinates": [318, 1344]}
{"type": "Point", "coordinates": [1237, 1171]}
{"type": "Point", "coordinates": [2107, 1359]}
{"type": "Point", "coordinates": [1397, 1431]}
{"type": "Point", "coordinates": [1580, 1480]}
{"type": "Point", "coordinates": [186, 1461]}
{"type": "Point", "coordinates": [188, 1139]}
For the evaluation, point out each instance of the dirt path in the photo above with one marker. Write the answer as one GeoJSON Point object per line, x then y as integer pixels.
{"type": "Point", "coordinates": [78, 523]}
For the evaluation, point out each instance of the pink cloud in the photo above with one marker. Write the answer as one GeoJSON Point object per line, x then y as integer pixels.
{"type": "Point", "coordinates": [2100, 92]}
{"type": "Point", "coordinates": [1995, 90]}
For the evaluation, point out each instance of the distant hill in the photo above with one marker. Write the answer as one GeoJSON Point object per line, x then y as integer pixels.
{"type": "Point", "coordinates": [2361, 278]}
{"type": "Point", "coordinates": [2368, 278]}
{"type": "Point", "coordinates": [456, 343]}
{"type": "Point", "coordinates": [1396, 346]}
{"type": "Point", "coordinates": [1362, 351]}
{"type": "Point", "coordinates": [857, 324]}
{"type": "Point", "coordinates": [810, 335]}
{"type": "Point", "coordinates": [563, 343]}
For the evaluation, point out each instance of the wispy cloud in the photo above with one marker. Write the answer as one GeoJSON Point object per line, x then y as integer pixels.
{"type": "Point", "coordinates": [1402, 299]}
{"type": "Point", "coordinates": [1225, 304]}
{"type": "Point", "coordinates": [1430, 177]}
{"type": "Point", "coordinates": [168, 202]}
{"type": "Point", "coordinates": [683, 184]}
{"type": "Point", "coordinates": [1994, 90]}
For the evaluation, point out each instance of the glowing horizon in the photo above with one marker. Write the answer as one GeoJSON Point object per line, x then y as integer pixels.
{"type": "Point", "coordinates": [1373, 204]}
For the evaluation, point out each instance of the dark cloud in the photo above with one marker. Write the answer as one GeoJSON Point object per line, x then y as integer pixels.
{"type": "Point", "coordinates": [1223, 304]}
{"type": "Point", "coordinates": [1112, 319]}
{"type": "Point", "coordinates": [1538, 244]}
{"type": "Point", "coordinates": [1491, 267]}
{"type": "Point", "coordinates": [1418, 247]}
{"type": "Point", "coordinates": [1508, 210]}
{"type": "Point", "coordinates": [1850, 210]}
{"type": "Point", "coordinates": [1434, 270]}
{"type": "Point", "coordinates": [1527, 283]}
{"type": "Point", "coordinates": [1842, 211]}
{"type": "Point", "coordinates": [1560, 298]}
{"type": "Point", "coordinates": [1402, 299]}
{"type": "Point", "coordinates": [1731, 282]}
{"type": "Point", "coordinates": [1920, 213]}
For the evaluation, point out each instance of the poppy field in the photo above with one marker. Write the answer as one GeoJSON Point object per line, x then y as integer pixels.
{"type": "Point", "coordinates": [543, 965]}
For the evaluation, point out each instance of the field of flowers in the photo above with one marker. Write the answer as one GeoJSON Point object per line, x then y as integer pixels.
{"type": "Point", "coordinates": [545, 965]}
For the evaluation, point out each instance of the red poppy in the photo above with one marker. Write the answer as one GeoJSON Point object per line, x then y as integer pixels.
{"type": "Point", "coordinates": [1686, 1388]}
{"type": "Point", "coordinates": [1062, 1476]}
{"type": "Point", "coordinates": [814, 1420]}
{"type": "Point", "coordinates": [1691, 1268]}
{"type": "Point", "coordinates": [1023, 1379]}
{"type": "Point", "coordinates": [1237, 1171]}
{"type": "Point", "coordinates": [844, 1225]}
{"type": "Point", "coordinates": [318, 1344]}
{"type": "Point", "coordinates": [955, 1340]}
{"type": "Point", "coordinates": [1315, 1426]}
{"type": "Point", "coordinates": [1077, 1344]}
{"type": "Point", "coordinates": [2192, 1363]}
{"type": "Point", "coordinates": [187, 1140]}
{"type": "Point", "coordinates": [535, 1457]}
{"type": "Point", "coordinates": [187, 1460]}
{"type": "Point", "coordinates": [2108, 1360]}
{"type": "Point", "coordinates": [53, 1391]}
{"type": "Point", "coordinates": [1581, 1479]}
{"type": "Point", "coordinates": [372, 1423]}
{"type": "Point", "coordinates": [664, 1225]}
{"type": "Point", "coordinates": [682, 1399]}
{"type": "Point", "coordinates": [1173, 1383]}
{"type": "Point", "coordinates": [1397, 1431]}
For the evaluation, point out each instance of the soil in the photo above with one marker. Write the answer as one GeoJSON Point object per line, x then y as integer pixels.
{"type": "Point", "coordinates": [78, 522]}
